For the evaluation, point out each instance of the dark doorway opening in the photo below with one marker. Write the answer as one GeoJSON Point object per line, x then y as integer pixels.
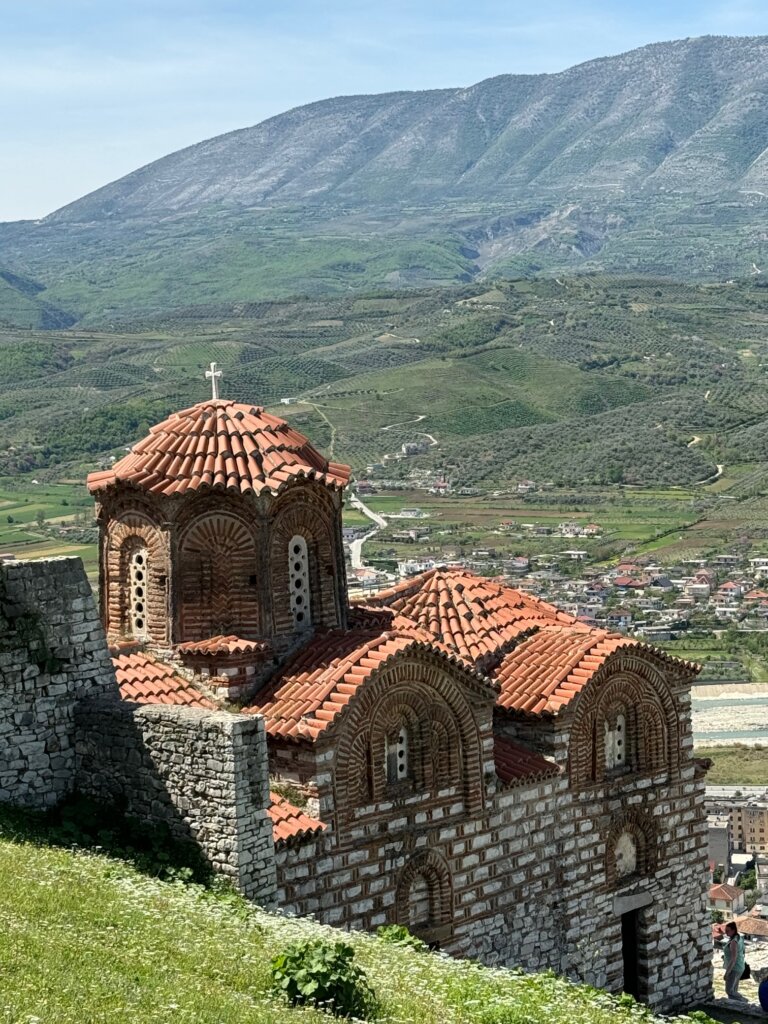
{"type": "Point", "coordinates": [630, 950]}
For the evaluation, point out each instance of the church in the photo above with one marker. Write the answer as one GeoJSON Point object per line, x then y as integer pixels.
{"type": "Point", "coordinates": [450, 754]}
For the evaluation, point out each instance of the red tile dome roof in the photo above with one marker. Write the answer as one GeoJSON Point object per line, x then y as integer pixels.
{"type": "Point", "coordinates": [223, 445]}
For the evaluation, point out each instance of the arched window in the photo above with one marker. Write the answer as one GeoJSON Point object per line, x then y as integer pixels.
{"type": "Point", "coordinates": [396, 757]}
{"type": "Point", "coordinates": [298, 576]}
{"type": "Point", "coordinates": [137, 593]}
{"type": "Point", "coordinates": [616, 751]}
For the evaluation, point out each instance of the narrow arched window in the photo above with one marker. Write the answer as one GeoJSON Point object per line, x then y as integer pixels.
{"type": "Point", "coordinates": [616, 748]}
{"type": "Point", "coordinates": [396, 757]}
{"type": "Point", "coordinates": [137, 593]}
{"type": "Point", "coordinates": [298, 576]}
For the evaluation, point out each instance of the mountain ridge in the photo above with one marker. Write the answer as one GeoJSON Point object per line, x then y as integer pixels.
{"type": "Point", "coordinates": [499, 138]}
{"type": "Point", "coordinates": [651, 162]}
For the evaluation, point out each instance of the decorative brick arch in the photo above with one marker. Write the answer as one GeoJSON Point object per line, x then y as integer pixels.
{"type": "Point", "coordinates": [642, 831]}
{"type": "Point", "coordinates": [636, 685]}
{"type": "Point", "coordinates": [217, 578]}
{"type": "Point", "coordinates": [425, 692]}
{"type": "Point", "coordinates": [424, 897]}
{"type": "Point", "coordinates": [124, 536]}
{"type": "Point", "coordinates": [306, 512]}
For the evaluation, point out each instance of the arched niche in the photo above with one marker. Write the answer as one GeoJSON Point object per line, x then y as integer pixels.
{"type": "Point", "coordinates": [424, 898]}
{"type": "Point", "coordinates": [304, 517]}
{"type": "Point", "coordinates": [217, 578]}
{"type": "Point", "coordinates": [135, 566]}
{"type": "Point", "coordinates": [629, 699]}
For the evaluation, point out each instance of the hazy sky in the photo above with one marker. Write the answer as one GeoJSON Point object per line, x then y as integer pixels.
{"type": "Point", "coordinates": [91, 89]}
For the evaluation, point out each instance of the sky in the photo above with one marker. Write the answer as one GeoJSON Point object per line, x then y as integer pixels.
{"type": "Point", "coordinates": [92, 89]}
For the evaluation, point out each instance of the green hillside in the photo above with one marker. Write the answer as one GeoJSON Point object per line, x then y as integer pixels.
{"type": "Point", "coordinates": [86, 940]}
{"type": "Point", "coordinates": [580, 381]}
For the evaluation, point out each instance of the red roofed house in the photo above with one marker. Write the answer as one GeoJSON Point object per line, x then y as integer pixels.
{"type": "Point", "coordinates": [727, 898]}
{"type": "Point", "coordinates": [473, 763]}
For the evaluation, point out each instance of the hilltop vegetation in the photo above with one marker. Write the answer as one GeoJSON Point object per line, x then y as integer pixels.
{"type": "Point", "coordinates": [86, 939]}
{"type": "Point", "coordinates": [649, 162]}
{"type": "Point", "coordinates": [585, 381]}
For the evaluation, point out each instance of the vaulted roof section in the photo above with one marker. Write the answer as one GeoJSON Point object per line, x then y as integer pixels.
{"type": "Point", "coordinates": [304, 699]}
{"type": "Point", "coordinates": [470, 616]}
{"type": "Point", "coordinates": [290, 824]}
{"type": "Point", "coordinates": [143, 679]}
{"type": "Point", "coordinates": [221, 445]}
{"type": "Point", "coordinates": [544, 673]}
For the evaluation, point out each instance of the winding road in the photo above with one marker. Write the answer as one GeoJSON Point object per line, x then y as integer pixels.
{"type": "Point", "coordinates": [380, 523]}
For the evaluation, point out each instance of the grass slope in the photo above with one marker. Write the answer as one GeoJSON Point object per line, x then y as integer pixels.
{"type": "Point", "coordinates": [87, 940]}
{"type": "Point", "coordinates": [736, 765]}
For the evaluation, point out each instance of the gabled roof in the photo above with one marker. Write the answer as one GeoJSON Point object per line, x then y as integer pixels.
{"type": "Point", "coordinates": [222, 445]}
{"type": "Point", "coordinates": [723, 891]}
{"type": "Point", "coordinates": [468, 615]}
{"type": "Point", "coordinates": [517, 764]}
{"type": "Point", "coordinates": [546, 671]}
{"type": "Point", "coordinates": [289, 822]}
{"type": "Point", "coordinates": [145, 680]}
{"type": "Point", "coordinates": [317, 684]}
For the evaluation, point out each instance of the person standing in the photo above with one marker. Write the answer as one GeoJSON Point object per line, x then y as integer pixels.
{"type": "Point", "coordinates": [733, 962]}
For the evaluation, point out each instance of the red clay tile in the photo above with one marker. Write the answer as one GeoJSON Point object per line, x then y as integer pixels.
{"type": "Point", "coordinates": [289, 822]}
{"type": "Point", "coordinates": [236, 446]}
{"type": "Point", "coordinates": [145, 680]}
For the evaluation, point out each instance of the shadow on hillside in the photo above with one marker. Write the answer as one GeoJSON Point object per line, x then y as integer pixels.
{"type": "Point", "coordinates": [99, 828]}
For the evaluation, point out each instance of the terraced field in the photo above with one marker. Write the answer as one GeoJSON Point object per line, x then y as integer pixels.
{"type": "Point", "coordinates": [583, 383]}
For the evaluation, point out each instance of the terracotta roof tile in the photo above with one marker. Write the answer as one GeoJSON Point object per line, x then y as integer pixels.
{"type": "Point", "coordinates": [516, 764]}
{"type": "Point", "coordinates": [289, 822]}
{"type": "Point", "coordinates": [145, 680]}
{"type": "Point", "coordinates": [224, 645]}
{"type": "Point", "coordinates": [236, 447]}
{"type": "Point", "coordinates": [548, 669]}
{"type": "Point", "coordinates": [313, 688]}
{"type": "Point", "coordinates": [724, 892]}
{"type": "Point", "coordinates": [468, 615]}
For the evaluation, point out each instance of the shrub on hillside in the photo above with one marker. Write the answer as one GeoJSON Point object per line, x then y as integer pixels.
{"type": "Point", "coordinates": [322, 973]}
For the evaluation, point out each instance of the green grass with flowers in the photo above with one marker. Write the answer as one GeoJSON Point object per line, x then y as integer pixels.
{"type": "Point", "coordinates": [86, 939]}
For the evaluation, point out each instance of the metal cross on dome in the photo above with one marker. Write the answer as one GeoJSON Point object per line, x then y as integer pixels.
{"type": "Point", "coordinates": [213, 375]}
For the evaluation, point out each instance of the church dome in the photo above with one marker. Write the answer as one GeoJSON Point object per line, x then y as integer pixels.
{"type": "Point", "coordinates": [222, 445]}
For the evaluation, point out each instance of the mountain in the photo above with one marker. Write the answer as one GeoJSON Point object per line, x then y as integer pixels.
{"type": "Point", "coordinates": [653, 161]}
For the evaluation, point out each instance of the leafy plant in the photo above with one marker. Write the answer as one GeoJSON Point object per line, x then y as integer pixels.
{"type": "Point", "coordinates": [399, 934]}
{"type": "Point", "coordinates": [323, 974]}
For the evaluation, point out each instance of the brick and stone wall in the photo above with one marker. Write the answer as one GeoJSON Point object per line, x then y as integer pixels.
{"type": "Point", "coordinates": [52, 655]}
{"type": "Point", "coordinates": [525, 874]}
{"type": "Point", "coordinates": [201, 773]}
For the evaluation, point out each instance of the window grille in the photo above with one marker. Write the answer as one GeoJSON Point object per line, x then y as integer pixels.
{"type": "Point", "coordinates": [138, 593]}
{"type": "Point", "coordinates": [396, 757]}
{"type": "Point", "coordinates": [298, 574]}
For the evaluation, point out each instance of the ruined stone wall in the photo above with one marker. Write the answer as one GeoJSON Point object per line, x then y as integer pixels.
{"type": "Point", "coordinates": [52, 654]}
{"type": "Point", "coordinates": [201, 773]}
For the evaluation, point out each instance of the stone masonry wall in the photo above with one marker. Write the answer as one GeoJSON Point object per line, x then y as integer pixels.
{"type": "Point", "coordinates": [530, 878]}
{"type": "Point", "coordinates": [201, 773]}
{"type": "Point", "coordinates": [52, 654]}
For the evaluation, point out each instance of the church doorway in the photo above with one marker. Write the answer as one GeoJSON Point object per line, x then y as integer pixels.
{"type": "Point", "coordinates": [634, 954]}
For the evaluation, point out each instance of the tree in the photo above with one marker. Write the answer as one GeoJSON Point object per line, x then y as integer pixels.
{"type": "Point", "coordinates": [717, 916]}
{"type": "Point", "coordinates": [40, 518]}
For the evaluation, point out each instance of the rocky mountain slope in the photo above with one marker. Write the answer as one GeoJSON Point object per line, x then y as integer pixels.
{"type": "Point", "coordinates": [654, 162]}
{"type": "Point", "coordinates": [689, 116]}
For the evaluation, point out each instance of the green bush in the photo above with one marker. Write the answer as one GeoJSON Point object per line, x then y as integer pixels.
{"type": "Point", "coordinates": [399, 934]}
{"type": "Point", "coordinates": [323, 974]}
